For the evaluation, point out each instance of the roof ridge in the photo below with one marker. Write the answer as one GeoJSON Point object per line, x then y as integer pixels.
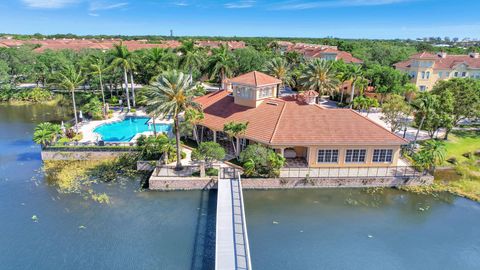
{"type": "Point", "coordinates": [278, 121]}
{"type": "Point", "coordinates": [378, 125]}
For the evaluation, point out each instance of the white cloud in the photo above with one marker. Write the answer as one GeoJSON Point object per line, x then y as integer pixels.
{"type": "Point", "coordinates": [298, 5]}
{"type": "Point", "coordinates": [49, 4]}
{"type": "Point", "coordinates": [181, 4]}
{"type": "Point", "coordinates": [93, 14]}
{"type": "Point", "coordinates": [240, 4]}
{"type": "Point", "coordinates": [105, 5]}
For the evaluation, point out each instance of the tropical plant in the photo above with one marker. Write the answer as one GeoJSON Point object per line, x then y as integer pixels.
{"type": "Point", "coordinates": [208, 152]}
{"type": "Point", "coordinates": [259, 160]}
{"type": "Point", "coordinates": [355, 73]}
{"type": "Point", "coordinates": [220, 64]}
{"type": "Point", "coordinates": [192, 57]}
{"type": "Point", "coordinates": [94, 109]}
{"type": "Point", "coordinates": [235, 130]}
{"type": "Point", "coordinates": [424, 106]}
{"type": "Point", "coordinates": [431, 154]}
{"type": "Point", "coordinates": [364, 103]}
{"type": "Point", "coordinates": [320, 76]}
{"type": "Point", "coordinates": [152, 147]}
{"type": "Point", "coordinates": [98, 67]}
{"type": "Point", "coordinates": [280, 69]}
{"type": "Point", "coordinates": [194, 117]}
{"type": "Point", "coordinates": [69, 78]}
{"type": "Point", "coordinates": [46, 133]}
{"type": "Point", "coordinates": [122, 59]}
{"type": "Point", "coordinates": [158, 60]}
{"type": "Point", "coordinates": [171, 94]}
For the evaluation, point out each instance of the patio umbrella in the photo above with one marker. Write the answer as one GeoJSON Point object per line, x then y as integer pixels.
{"type": "Point", "coordinates": [63, 127]}
{"type": "Point", "coordinates": [80, 115]}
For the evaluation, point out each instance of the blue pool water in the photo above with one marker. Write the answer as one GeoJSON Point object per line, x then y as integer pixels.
{"type": "Point", "coordinates": [125, 130]}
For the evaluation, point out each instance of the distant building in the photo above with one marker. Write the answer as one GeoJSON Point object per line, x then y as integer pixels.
{"type": "Point", "coordinates": [318, 51]}
{"type": "Point", "coordinates": [426, 69]}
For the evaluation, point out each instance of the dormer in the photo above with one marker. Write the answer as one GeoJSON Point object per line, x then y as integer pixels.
{"type": "Point", "coordinates": [252, 88]}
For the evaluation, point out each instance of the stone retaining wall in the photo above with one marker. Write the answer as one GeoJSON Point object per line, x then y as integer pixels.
{"type": "Point", "coordinates": [184, 183]}
{"type": "Point", "coordinates": [81, 155]}
{"type": "Point", "coordinates": [159, 183]}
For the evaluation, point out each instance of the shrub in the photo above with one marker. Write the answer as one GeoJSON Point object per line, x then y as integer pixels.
{"type": "Point", "coordinates": [133, 110]}
{"type": "Point", "coordinates": [208, 152]}
{"type": "Point", "coordinates": [258, 160]}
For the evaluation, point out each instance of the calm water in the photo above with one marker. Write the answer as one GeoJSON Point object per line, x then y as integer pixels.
{"type": "Point", "coordinates": [124, 131]}
{"type": "Point", "coordinates": [315, 229]}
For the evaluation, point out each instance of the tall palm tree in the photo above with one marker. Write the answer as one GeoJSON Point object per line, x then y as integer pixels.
{"type": "Point", "coordinates": [70, 78]}
{"type": "Point", "coordinates": [122, 59]}
{"type": "Point", "coordinates": [319, 76]}
{"type": "Point", "coordinates": [194, 117]}
{"type": "Point", "coordinates": [280, 69]}
{"type": "Point", "coordinates": [423, 105]}
{"type": "Point", "coordinates": [98, 67]}
{"type": "Point", "coordinates": [192, 56]}
{"type": "Point", "coordinates": [172, 94]}
{"type": "Point", "coordinates": [220, 64]}
{"type": "Point", "coordinates": [354, 73]}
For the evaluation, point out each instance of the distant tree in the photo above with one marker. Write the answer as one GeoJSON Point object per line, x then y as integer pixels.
{"type": "Point", "coordinates": [122, 59]}
{"type": "Point", "coordinates": [280, 69]}
{"type": "Point", "coordinates": [355, 73]}
{"type": "Point", "coordinates": [424, 106]}
{"type": "Point", "coordinates": [386, 80]}
{"type": "Point", "coordinates": [98, 67]}
{"type": "Point", "coordinates": [220, 64]}
{"type": "Point", "coordinates": [192, 57]}
{"type": "Point", "coordinates": [364, 103]}
{"type": "Point", "coordinates": [466, 98]}
{"type": "Point", "coordinates": [395, 110]}
{"type": "Point", "coordinates": [194, 117]}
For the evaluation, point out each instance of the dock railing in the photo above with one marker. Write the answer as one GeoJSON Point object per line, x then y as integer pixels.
{"type": "Point", "coordinates": [353, 172]}
{"type": "Point", "coordinates": [239, 211]}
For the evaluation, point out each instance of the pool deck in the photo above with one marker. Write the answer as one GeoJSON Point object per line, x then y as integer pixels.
{"type": "Point", "coordinates": [87, 127]}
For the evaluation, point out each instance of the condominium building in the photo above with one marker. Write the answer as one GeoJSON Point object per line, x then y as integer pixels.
{"type": "Point", "coordinates": [426, 69]}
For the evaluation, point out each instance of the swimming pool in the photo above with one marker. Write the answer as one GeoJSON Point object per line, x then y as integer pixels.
{"type": "Point", "coordinates": [125, 130]}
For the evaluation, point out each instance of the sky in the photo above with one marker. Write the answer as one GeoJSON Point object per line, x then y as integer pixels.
{"type": "Point", "coordinates": [384, 19]}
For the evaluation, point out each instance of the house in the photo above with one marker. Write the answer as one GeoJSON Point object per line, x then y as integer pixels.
{"type": "Point", "coordinates": [296, 127]}
{"type": "Point", "coordinates": [318, 51]}
{"type": "Point", "coordinates": [425, 69]}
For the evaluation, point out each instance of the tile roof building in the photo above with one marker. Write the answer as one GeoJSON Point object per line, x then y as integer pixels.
{"type": "Point", "coordinates": [318, 51]}
{"type": "Point", "coordinates": [426, 69]}
{"type": "Point", "coordinates": [296, 127]}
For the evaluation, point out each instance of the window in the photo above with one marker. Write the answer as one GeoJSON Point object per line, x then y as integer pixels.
{"type": "Point", "coordinates": [455, 74]}
{"type": "Point", "coordinates": [464, 74]}
{"type": "Point", "coordinates": [244, 92]}
{"type": "Point", "coordinates": [327, 156]}
{"type": "Point", "coordinates": [423, 74]}
{"type": "Point", "coordinates": [428, 74]}
{"type": "Point", "coordinates": [355, 155]}
{"type": "Point", "coordinates": [440, 74]}
{"type": "Point", "coordinates": [265, 92]}
{"type": "Point", "coordinates": [423, 88]}
{"type": "Point", "coordinates": [382, 155]}
{"type": "Point", "coordinates": [447, 74]}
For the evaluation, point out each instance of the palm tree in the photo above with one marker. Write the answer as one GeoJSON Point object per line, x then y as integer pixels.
{"type": "Point", "coordinates": [191, 58]}
{"type": "Point", "coordinates": [158, 60]}
{"type": "Point", "coordinates": [234, 130]}
{"type": "Point", "coordinates": [98, 67]}
{"type": "Point", "coordinates": [46, 133]}
{"type": "Point", "coordinates": [69, 78]}
{"type": "Point", "coordinates": [432, 153]}
{"type": "Point", "coordinates": [280, 69]}
{"type": "Point", "coordinates": [171, 94]}
{"type": "Point", "coordinates": [319, 76]}
{"type": "Point", "coordinates": [220, 64]}
{"type": "Point", "coordinates": [194, 117]}
{"type": "Point", "coordinates": [122, 59]}
{"type": "Point", "coordinates": [355, 73]}
{"type": "Point", "coordinates": [423, 105]}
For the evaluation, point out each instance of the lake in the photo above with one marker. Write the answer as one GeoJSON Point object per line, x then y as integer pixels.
{"type": "Point", "coordinates": [293, 229]}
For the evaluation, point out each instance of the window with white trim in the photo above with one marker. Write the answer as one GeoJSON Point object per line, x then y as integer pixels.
{"type": "Point", "coordinates": [244, 92]}
{"type": "Point", "coordinates": [382, 155]}
{"type": "Point", "coordinates": [355, 155]}
{"type": "Point", "coordinates": [327, 156]}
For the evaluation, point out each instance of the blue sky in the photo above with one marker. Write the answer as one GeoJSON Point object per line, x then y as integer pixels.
{"type": "Point", "coordinates": [284, 18]}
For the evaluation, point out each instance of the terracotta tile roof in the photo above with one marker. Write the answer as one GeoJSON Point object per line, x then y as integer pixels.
{"type": "Point", "coordinates": [289, 121]}
{"type": "Point", "coordinates": [318, 51]}
{"type": "Point", "coordinates": [446, 62]}
{"type": "Point", "coordinates": [255, 78]}
{"type": "Point", "coordinates": [310, 93]}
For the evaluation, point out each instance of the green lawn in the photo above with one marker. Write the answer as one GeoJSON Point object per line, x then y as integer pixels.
{"type": "Point", "coordinates": [461, 142]}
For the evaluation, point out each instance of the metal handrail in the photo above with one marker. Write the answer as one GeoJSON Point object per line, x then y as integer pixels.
{"type": "Point", "coordinates": [244, 224]}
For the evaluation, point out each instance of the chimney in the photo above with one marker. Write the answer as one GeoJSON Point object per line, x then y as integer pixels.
{"type": "Point", "coordinates": [442, 54]}
{"type": "Point", "coordinates": [475, 55]}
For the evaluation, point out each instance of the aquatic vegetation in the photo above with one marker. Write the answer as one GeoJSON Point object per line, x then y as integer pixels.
{"type": "Point", "coordinates": [80, 176]}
